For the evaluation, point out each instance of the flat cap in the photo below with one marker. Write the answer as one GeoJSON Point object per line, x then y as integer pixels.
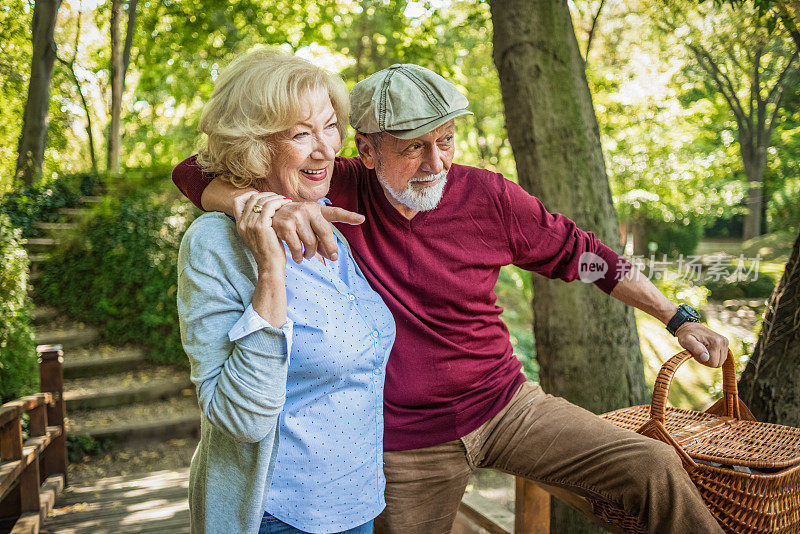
{"type": "Point", "coordinates": [406, 101]}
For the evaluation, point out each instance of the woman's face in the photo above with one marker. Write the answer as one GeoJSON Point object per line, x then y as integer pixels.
{"type": "Point", "coordinates": [304, 154]}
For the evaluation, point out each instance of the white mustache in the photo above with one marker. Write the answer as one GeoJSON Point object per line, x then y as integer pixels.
{"type": "Point", "coordinates": [430, 177]}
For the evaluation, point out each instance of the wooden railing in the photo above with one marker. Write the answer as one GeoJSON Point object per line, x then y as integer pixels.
{"type": "Point", "coordinates": [531, 510]}
{"type": "Point", "coordinates": [33, 471]}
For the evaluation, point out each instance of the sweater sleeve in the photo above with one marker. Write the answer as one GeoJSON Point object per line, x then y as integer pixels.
{"type": "Point", "coordinates": [552, 245]}
{"type": "Point", "coordinates": [191, 180]}
{"type": "Point", "coordinates": [241, 384]}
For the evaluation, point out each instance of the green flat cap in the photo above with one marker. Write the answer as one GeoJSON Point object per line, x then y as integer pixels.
{"type": "Point", "coordinates": [406, 101]}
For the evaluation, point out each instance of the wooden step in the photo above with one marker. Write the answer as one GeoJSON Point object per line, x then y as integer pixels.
{"type": "Point", "coordinates": [127, 360]}
{"type": "Point", "coordinates": [152, 430]}
{"type": "Point", "coordinates": [123, 396]}
{"type": "Point", "coordinates": [143, 503]}
{"type": "Point", "coordinates": [69, 338]}
{"type": "Point", "coordinates": [90, 199]}
{"type": "Point", "coordinates": [54, 226]}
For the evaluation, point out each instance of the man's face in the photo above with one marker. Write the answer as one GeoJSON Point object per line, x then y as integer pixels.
{"type": "Point", "coordinates": [413, 171]}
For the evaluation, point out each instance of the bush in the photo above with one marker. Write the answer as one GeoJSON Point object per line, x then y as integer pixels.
{"type": "Point", "coordinates": [18, 370]}
{"type": "Point", "coordinates": [121, 271]}
{"type": "Point", "coordinates": [81, 445]}
{"type": "Point", "coordinates": [674, 239]}
{"type": "Point", "coordinates": [41, 201]}
{"type": "Point", "coordinates": [725, 289]}
{"type": "Point", "coordinates": [783, 211]}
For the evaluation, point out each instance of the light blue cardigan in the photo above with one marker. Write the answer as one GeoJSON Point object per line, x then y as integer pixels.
{"type": "Point", "coordinates": [241, 386]}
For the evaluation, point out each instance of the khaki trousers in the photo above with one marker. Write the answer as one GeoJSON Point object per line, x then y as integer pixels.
{"type": "Point", "coordinates": [549, 440]}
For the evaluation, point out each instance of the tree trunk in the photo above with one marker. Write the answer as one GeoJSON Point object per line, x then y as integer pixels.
{"type": "Point", "coordinates": [116, 68]}
{"type": "Point", "coordinates": [754, 161]}
{"type": "Point", "coordinates": [32, 140]}
{"type": "Point", "coordinates": [586, 342]}
{"type": "Point", "coordinates": [770, 384]}
{"type": "Point", "coordinates": [130, 32]}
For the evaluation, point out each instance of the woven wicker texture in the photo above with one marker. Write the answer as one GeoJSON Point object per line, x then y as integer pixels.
{"type": "Point", "coordinates": [759, 502]}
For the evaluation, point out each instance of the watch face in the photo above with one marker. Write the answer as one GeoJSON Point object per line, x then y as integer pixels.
{"type": "Point", "coordinates": [691, 312]}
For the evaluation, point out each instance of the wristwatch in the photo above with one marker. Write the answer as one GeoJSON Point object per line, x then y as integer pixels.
{"type": "Point", "coordinates": [685, 314]}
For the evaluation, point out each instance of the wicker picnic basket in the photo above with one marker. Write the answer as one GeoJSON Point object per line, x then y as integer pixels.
{"type": "Point", "coordinates": [766, 500]}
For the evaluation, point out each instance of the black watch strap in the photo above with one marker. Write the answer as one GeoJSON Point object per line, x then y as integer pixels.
{"type": "Point", "coordinates": [685, 314]}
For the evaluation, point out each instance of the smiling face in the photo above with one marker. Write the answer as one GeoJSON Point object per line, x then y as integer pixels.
{"type": "Point", "coordinates": [304, 153]}
{"type": "Point", "coordinates": [411, 171]}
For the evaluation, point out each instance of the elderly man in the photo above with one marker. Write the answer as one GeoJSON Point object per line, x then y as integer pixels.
{"type": "Point", "coordinates": [434, 237]}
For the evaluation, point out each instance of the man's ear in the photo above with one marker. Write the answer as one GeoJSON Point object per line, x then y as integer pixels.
{"type": "Point", "coordinates": [366, 151]}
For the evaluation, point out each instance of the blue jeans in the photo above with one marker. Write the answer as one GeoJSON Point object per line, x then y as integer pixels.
{"type": "Point", "coordinates": [273, 525]}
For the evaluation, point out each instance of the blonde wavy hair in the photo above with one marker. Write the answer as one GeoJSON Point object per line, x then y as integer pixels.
{"type": "Point", "coordinates": [255, 98]}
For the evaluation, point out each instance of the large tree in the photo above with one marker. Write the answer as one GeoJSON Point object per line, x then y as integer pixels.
{"type": "Point", "coordinates": [750, 64]}
{"type": "Point", "coordinates": [586, 343]}
{"type": "Point", "coordinates": [770, 384]}
{"type": "Point", "coordinates": [30, 153]}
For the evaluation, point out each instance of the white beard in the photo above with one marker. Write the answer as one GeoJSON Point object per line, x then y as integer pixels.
{"type": "Point", "coordinates": [418, 199]}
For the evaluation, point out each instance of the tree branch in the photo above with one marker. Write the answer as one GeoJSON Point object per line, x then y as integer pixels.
{"type": "Point", "coordinates": [130, 30]}
{"type": "Point", "coordinates": [781, 76]}
{"type": "Point", "coordinates": [788, 22]}
{"type": "Point", "coordinates": [723, 83]}
{"type": "Point", "coordinates": [591, 32]}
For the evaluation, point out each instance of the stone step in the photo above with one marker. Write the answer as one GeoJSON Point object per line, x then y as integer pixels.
{"type": "Point", "coordinates": [154, 430]}
{"type": "Point", "coordinates": [34, 275]}
{"type": "Point", "coordinates": [41, 244]}
{"type": "Point", "coordinates": [148, 383]}
{"type": "Point", "coordinates": [68, 338]}
{"type": "Point", "coordinates": [38, 258]}
{"type": "Point", "coordinates": [176, 417]}
{"type": "Point", "coordinates": [73, 212]}
{"type": "Point", "coordinates": [90, 199]}
{"type": "Point", "coordinates": [125, 360]}
{"type": "Point", "coordinates": [54, 226]}
{"type": "Point", "coordinates": [43, 314]}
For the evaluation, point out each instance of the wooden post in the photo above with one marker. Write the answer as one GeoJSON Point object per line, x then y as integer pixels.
{"type": "Point", "coordinates": [531, 508]}
{"type": "Point", "coordinates": [51, 377]}
{"type": "Point", "coordinates": [38, 421]}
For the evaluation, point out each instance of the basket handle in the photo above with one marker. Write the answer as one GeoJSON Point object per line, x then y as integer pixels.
{"type": "Point", "coordinates": [730, 391]}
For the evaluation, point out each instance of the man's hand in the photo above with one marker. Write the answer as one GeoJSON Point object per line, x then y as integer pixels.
{"type": "Point", "coordinates": [306, 229]}
{"type": "Point", "coordinates": [707, 347]}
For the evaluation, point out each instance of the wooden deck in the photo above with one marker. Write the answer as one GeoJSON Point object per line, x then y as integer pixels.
{"type": "Point", "coordinates": [149, 503]}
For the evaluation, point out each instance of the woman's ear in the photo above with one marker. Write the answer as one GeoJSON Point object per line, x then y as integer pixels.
{"type": "Point", "coordinates": [366, 151]}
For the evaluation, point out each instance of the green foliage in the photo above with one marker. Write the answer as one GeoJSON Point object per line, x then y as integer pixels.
{"type": "Point", "coordinates": [81, 445]}
{"type": "Point", "coordinates": [514, 290]}
{"type": "Point", "coordinates": [783, 212]}
{"type": "Point", "coordinates": [683, 291]}
{"type": "Point", "coordinates": [121, 270]}
{"type": "Point", "coordinates": [18, 371]}
{"type": "Point", "coordinates": [15, 58]}
{"type": "Point", "coordinates": [676, 238]}
{"type": "Point", "coordinates": [726, 288]}
{"type": "Point", "coordinates": [41, 201]}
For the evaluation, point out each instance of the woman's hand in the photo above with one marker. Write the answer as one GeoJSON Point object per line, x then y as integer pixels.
{"type": "Point", "coordinates": [255, 228]}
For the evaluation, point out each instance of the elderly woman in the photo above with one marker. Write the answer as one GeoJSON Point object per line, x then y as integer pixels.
{"type": "Point", "coordinates": [294, 352]}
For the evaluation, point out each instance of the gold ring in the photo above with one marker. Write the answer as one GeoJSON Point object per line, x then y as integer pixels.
{"type": "Point", "coordinates": [257, 208]}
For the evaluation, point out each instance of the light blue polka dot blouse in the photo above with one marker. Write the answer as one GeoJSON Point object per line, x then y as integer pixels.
{"type": "Point", "coordinates": [329, 471]}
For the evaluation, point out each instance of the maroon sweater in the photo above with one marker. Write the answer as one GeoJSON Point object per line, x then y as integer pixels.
{"type": "Point", "coordinates": [452, 367]}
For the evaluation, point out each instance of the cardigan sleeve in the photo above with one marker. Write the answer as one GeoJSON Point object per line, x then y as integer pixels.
{"type": "Point", "coordinates": [241, 384]}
